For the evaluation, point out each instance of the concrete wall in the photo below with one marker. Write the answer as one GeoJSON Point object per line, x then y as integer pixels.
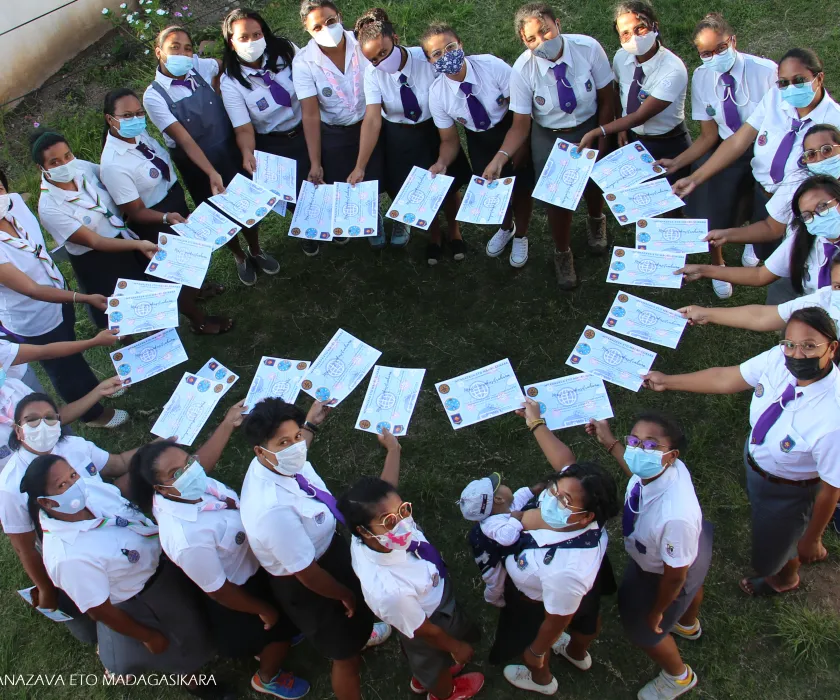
{"type": "Point", "coordinates": [34, 51]}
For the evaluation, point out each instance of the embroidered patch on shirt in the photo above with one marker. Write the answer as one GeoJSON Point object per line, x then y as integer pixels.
{"type": "Point", "coordinates": [319, 518]}
{"type": "Point", "coordinates": [759, 390]}
{"type": "Point", "coordinates": [461, 120]}
{"type": "Point", "coordinates": [154, 173]}
{"type": "Point", "coordinates": [787, 444]}
{"type": "Point", "coordinates": [588, 86]}
{"type": "Point", "coordinates": [327, 92]}
{"type": "Point", "coordinates": [671, 550]}
{"type": "Point", "coordinates": [501, 99]}
{"type": "Point", "coordinates": [86, 220]}
{"type": "Point", "coordinates": [522, 562]}
{"type": "Point", "coordinates": [539, 100]}
{"type": "Point", "coordinates": [91, 469]}
{"type": "Point", "coordinates": [262, 104]}
{"type": "Point", "coordinates": [710, 110]}
{"type": "Point", "coordinates": [121, 522]}
{"type": "Point", "coordinates": [762, 140]}
{"type": "Point", "coordinates": [643, 95]}
{"type": "Point", "coordinates": [435, 580]}
{"type": "Point", "coordinates": [132, 555]}
{"type": "Point", "coordinates": [240, 537]}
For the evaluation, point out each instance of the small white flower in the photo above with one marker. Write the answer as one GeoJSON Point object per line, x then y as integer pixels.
{"type": "Point", "coordinates": [143, 36]}
{"type": "Point", "coordinates": [123, 5]}
{"type": "Point", "coordinates": [160, 12]}
{"type": "Point", "coordinates": [146, 51]}
{"type": "Point", "coordinates": [148, 12]}
{"type": "Point", "coordinates": [148, 24]}
{"type": "Point", "coordinates": [105, 10]}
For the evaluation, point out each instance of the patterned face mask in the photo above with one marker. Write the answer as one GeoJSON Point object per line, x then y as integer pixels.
{"type": "Point", "coordinates": [450, 63]}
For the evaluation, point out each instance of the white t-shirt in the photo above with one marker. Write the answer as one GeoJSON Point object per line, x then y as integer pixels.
{"type": "Point", "coordinates": [61, 216]}
{"type": "Point", "coordinates": [341, 96]}
{"type": "Point", "coordinates": [287, 529]}
{"type": "Point", "coordinates": [779, 263]}
{"type": "Point", "coordinates": [490, 80]}
{"type": "Point", "coordinates": [156, 107]}
{"type": "Point", "coordinates": [209, 545]}
{"type": "Point", "coordinates": [8, 355]}
{"type": "Point", "coordinates": [19, 313]}
{"type": "Point", "coordinates": [665, 79]}
{"type": "Point", "coordinates": [129, 175]}
{"type": "Point", "coordinates": [753, 77]}
{"type": "Point", "coordinates": [85, 457]}
{"type": "Point", "coordinates": [772, 119]}
{"type": "Point", "coordinates": [533, 85]}
{"type": "Point", "coordinates": [256, 105]}
{"type": "Point", "coordinates": [399, 587]}
{"type": "Point", "coordinates": [804, 442]}
{"type": "Point", "coordinates": [825, 297]}
{"type": "Point", "coordinates": [667, 528]}
{"type": "Point", "coordinates": [383, 88]}
{"type": "Point", "coordinates": [562, 583]}
{"type": "Point", "coordinates": [10, 393]}
{"type": "Point", "coordinates": [92, 562]}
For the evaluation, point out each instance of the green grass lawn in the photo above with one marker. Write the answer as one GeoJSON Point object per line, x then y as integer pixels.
{"type": "Point", "coordinates": [459, 317]}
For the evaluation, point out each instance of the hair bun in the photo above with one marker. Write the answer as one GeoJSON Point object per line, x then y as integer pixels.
{"type": "Point", "coordinates": [372, 16]}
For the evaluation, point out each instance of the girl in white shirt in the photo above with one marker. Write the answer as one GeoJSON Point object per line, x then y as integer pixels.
{"type": "Point", "coordinates": [669, 543]}
{"type": "Point", "coordinates": [793, 475]}
{"type": "Point", "coordinates": [406, 583]}
{"type": "Point", "coordinates": [36, 306]}
{"type": "Point", "coordinates": [651, 84]}
{"type": "Point", "coordinates": [397, 83]}
{"type": "Point", "coordinates": [105, 554]}
{"type": "Point", "coordinates": [77, 211]}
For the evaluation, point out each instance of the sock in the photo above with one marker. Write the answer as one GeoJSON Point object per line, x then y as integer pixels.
{"type": "Point", "coordinates": [684, 676]}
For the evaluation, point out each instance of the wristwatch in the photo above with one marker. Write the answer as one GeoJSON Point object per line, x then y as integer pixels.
{"type": "Point", "coordinates": [311, 427]}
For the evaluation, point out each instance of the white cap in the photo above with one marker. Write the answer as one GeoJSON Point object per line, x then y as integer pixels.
{"type": "Point", "coordinates": [476, 500]}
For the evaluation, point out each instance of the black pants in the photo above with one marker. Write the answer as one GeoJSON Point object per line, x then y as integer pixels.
{"type": "Point", "coordinates": [71, 376]}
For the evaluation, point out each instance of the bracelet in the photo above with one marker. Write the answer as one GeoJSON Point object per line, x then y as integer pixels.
{"type": "Point", "coordinates": [535, 654]}
{"type": "Point", "coordinates": [535, 424]}
{"type": "Point", "coordinates": [310, 427]}
{"type": "Point", "coordinates": [615, 442]}
{"type": "Point", "coordinates": [165, 220]}
{"type": "Point", "coordinates": [74, 297]}
{"type": "Point", "coordinates": [603, 131]}
{"type": "Point", "coordinates": [504, 153]}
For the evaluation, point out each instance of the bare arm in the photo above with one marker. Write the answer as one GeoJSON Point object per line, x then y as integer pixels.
{"type": "Point", "coordinates": [705, 143]}
{"type": "Point", "coordinates": [324, 584]}
{"type": "Point", "coordinates": [726, 154]}
{"type": "Point", "coordinates": [391, 470]}
{"type": "Point", "coordinates": [753, 317]}
{"type": "Point", "coordinates": [211, 451]}
{"type": "Point", "coordinates": [649, 109]}
{"type": "Point", "coordinates": [551, 628]}
{"type": "Point", "coordinates": [312, 133]}
{"type": "Point", "coordinates": [247, 142]}
{"type": "Point", "coordinates": [449, 146]}
{"type": "Point", "coordinates": [765, 230]}
{"type": "Point", "coordinates": [438, 638]}
{"type": "Point", "coordinates": [121, 622]}
{"type": "Point", "coordinates": [76, 409]}
{"type": "Point", "coordinates": [371, 126]}
{"type": "Point", "coordinates": [35, 353]}
{"type": "Point", "coordinates": [745, 276]}
{"type": "Point", "coordinates": [17, 281]}
{"type": "Point", "coordinates": [137, 211]}
{"type": "Point", "coordinates": [824, 508]}
{"type": "Point", "coordinates": [600, 429]}
{"type": "Point", "coordinates": [515, 138]}
{"type": "Point", "coordinates": [24, 546]}
{"type": "Point", "coordinates": [84, 236]}
{"type": "Point", "coordinates": [556, 451]}
{"type": "Point", "coordinates": [670, 584]}
{"type": "Point", "coordinates": [236, 598]}
{"type": "Point", "coordinates": [716, 380]}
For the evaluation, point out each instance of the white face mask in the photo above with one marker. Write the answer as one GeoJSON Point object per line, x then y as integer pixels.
{"type": "Point", "coordinates": [249, 51]}
{"type": "Point", "coordinates": [63, 173]}
{"type": "Point", "coordinates": [43, 437]}
{"type": "Point", "coordinates": [640, 45]}
{"type": "Point", "coordinates": [400, 538]}
{"type": "Point", "coordinates": [289, 461]}
{"type": "Point", "coordinates": [329, 37]}
{"type": "Point", "coordinates": [5, 203]}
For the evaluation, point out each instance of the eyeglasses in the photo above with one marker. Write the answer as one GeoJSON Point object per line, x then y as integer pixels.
{"type": "Point", "coordinates": [720, 50]}
{"type": "Point", "coordinates": [390, 520]}
{"type": "Point", "coordinates": [639, 30]}
{"type": "Point", "coordinates": [806, 217]}
{"type": "Point", "coordinates": [646, 445]}
{"type": "Point", "coordinates": [34, 421]}
{"type": "Point", "coordinates": [130, 115]}
{"type": "Point", "coordinates": [449, 48]}
{"type": "Point", "coordinates": [179, 472]}
{"type": "Point", "coordinates": [782, 83]}
{"type": "Point", "coordinates": [808, 348]}
{"type": "Point", "coordinates": [811, 154]}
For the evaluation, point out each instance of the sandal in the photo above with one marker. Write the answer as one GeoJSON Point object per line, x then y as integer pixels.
{"type": "Point", "coordinates": [224, 324]}
{"type": "Point", "coordinates": [757, 587]}
{"type": "Point", "coordinates": [209, 290]}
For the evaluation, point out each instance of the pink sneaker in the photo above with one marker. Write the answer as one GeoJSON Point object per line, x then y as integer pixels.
{"type": "Point", "coordinates": [418, 689]}
{"type": "Point", "coordinates": [465, 686]}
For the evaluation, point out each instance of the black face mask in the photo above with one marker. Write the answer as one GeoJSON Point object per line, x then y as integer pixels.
{"type": "Point", "coordinates": [806, 368]}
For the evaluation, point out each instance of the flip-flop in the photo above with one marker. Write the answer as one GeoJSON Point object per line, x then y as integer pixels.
{"type": "Point", "coordinates": [209, 290]}
{"type": "Point", "coordinates": [225, 325]}
{"type": "Point", "coordinates": [760, 587]}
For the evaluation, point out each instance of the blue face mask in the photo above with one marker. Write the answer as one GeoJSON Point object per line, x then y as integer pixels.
{"type": "Point", "coordinates": [829, 166]}
{"type": "Point", "coordinates": [192, 484]}
{"type": "Point", "coordinates": [450, 63]}
{"type": "Point", "coordinates": [721, 62]}
{"type": "Point", "coordinates": [552, 512]}
{"type": "Point", "coordinates": [825, 226]}
{"type": "Point", "coordinates": [2, 376]}
{"type": "Point", "coordinates": [645, 465]}
{"type": "Point", "coordinates": [799, 95]}
{"type": "Point", "coordinates": [130, 128]}
{"type": "Point", "coordinates": [70, 502]}
{"type": "Point", "coordinates": [179, 65]}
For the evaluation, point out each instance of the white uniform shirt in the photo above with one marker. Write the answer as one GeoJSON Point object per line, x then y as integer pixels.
{"type": "Point", "coordinates": [19, 313]}
{"type": "Point", "coordinates": [341, 96]}
{"type": "Point", "coordinates": [209, 545]}
{"type": "Point", "coordinates": [287, 529]}
{"type": "Point", "coordinates": [256, 105]}
{"type": "Point", "coordinates": [156, 107]}
{"type": "Point", "coordinates": [93, 563]}
{"type": "Point", "coordinates": [383, 88]}
{"type": "Point", "coordinates": [570, 575]}
{"type": "Point", "coordinates": [666, 79]}
{"type": "Point", "coordinates": [490, 80]}
{"type": "Point", "coordinates": [668, 526]}
{"type": "Point", "coordinates": [61, 217]}
{"type": "Point", "coordinates": [772, 119]}
{"type": "Point", "coordinates": [825, 297]}
{"type": "Point", "coordinates": [10, 393]}
{"type": "Point", "coordinates": [8, 354]}
{"type": "Point", "coordinates": [399, 587]}
{"type": "Point", "coordinates": [505, 530]}
{"type": "Point", "coordinates": [129, 175]}
{"type": "Point", "coordinates": [753, 76]}
{"type": "Point", "coordinates": [533, 87]}
{"type": "Point", "coordinates": [85, 457]}
{"type": "Point", "coordinates": [779, 205]}
{"type": "Point", "coordinates": [805, 440]}
{"type": "Point", "coordinates": [779, 263]}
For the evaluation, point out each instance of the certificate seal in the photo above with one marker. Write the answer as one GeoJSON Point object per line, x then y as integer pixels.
{"type": "Point", "coordinates": [306, 384]}
{"type": "Point", "coordinates": [295, 231]}
{"type": "Point", "coordinates": [610, 198]}
{"type": "Point", "coordinates": [533, 391]}
{"type": "Point", "coordinates": [163, 240]}
{"type": "Point", "coordinates": [657, 168]}
{"type": "Point", "coordinates": [619, 253]}
{"type": "Point", "coordinates": [642, 223]}
{"type": "Point", "coordinates": [118, 356]}
{"type": "Point", "coordinates": [231, 379]}
{"type": "Point", "coordinates": [218, 388]}
{"type": "Point", "coordinates": [623, 298]}
{"type": "Point", "coordinates": [590, 155]}
{"type": "Point", "coordinates": [122, 284]}
{"type": "Point", "coordinates": [114, 303]}
{"type": "Point", "coordinates": [443, 388]}
{"type": "Point", "coordinates": [250, 222]}
{"type": "Point", "coordinates": [338, 231]}
{"type": "Point", "coordinates": [364, 424]}
{"type": "Point", "coordinates": [393, 213]}
{"type": "Point", "coordinates": [589, 334]}
{"type": "Point", "coordinates": [508, 180]}
{"type": "Point", "coordinates": [301, 365]}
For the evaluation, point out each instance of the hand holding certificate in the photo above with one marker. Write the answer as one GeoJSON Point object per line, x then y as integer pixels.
{"type": "Point", "coordinates": [276, 378]}
{"type": "Point", "coordinates": [126, 287]}
{"type": "Point", "coordinates": [642, 319]}
{"type": "Point", "coordinates": [628, 166]}
{"type": "Point", "coordinates": [642, 201]}
{"type": "Point", "coordinates": [672, 235]}
{"type": "Point", "coordinates": [54, 615]}
{"type": "Point", "coordinates": [313, 214]}
{"type": "Point", "coordinates": [390, 399]}
{"type": "Point", "coordinates": [565, 175]}
{"type": "Point", "coordinates": [615, 360]}
{"type": "Point", "coordinates": [142, 313]}
{"type": "Point", "coordinates": [342, 364]}
{"type": "Point", "coordinates": [419, 198]}
{"type": "Point", "coordinates": [181, 260]}
{"type": "Point", "coordinates": [188, 409]}
{"type": "Point", "coordinates": [355, 211]}
{"type": "Point", "coordinates": [209, 226]}
{"type": "Point", "coordinates": [569, 401]}
{"type": "Point", "coordinates": [481, 394]}
{"type": "Point", "coordinates": [644, 268]}
{"type": "Point", "coordinates": [277, 174]}
{"type": "Point", "coordinates": [486, 202]}
{"type": "Point", "coordinates": [245, 201]}
{"type": "Point", "coordinates": [149, 356]}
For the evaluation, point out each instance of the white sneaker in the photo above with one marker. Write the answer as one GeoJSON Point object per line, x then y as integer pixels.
{"type": "Point", "coordinates": [748, 257]}
{"type": "Point", "coordinates": [519, 252]}
{"type": "Point", "coordinates": [379, 635]}
{"type": "Point", "coordinates": [723, 290]}
{"type": "Point", "coordinates": [664, 687]}
{"type": "Point", "coordinates": [691, 633]}
{"type": "Point", "coordinates": [499, 242]}
{"type": "Point", "coordinates": [559, 648]}
{"type": "Point", "coordinates": [520, 676]}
